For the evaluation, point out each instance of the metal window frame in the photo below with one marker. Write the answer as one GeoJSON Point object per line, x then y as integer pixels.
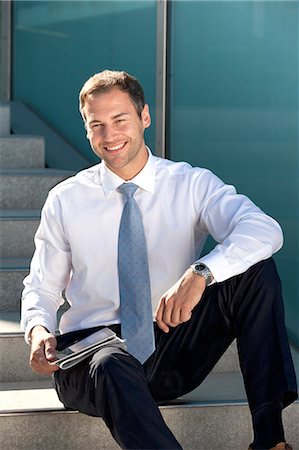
{"type": "Point", "coordinates": [161, 78]}
{"type": "Point", "coordinates": [161, 67]}
{"type": "Point", "coordinates": [5, 47]}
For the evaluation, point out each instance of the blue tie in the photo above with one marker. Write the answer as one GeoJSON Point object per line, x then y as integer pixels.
{"type": "Point", "coordinates": [134, 282]}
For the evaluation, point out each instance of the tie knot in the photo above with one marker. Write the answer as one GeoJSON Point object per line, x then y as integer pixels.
{"type": "Point", "coordinates": [128, 189]}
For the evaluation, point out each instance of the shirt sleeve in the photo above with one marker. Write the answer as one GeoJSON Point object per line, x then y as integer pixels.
{"type": "Point", "coordinates": [244, 233]}
{"type": "Point", "coordinates": [49, 271]}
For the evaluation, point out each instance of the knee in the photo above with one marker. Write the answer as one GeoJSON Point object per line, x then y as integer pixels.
{"type": "Point", "coordinates": [113, 364]}
{"type": "Point", "coordinates": [268, 271]}
{"type": "Point", "coordinates": [269, 282]}
{"type": "Point", "coordinates": [264, 277]}
{"type": "Point", "coordinates": [262, 287]}
{"type": "Point", "coordinates": [104, 363]}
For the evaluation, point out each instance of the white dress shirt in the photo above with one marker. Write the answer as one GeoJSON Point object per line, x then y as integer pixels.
{"type": "Point", "coordinates": [76, 242]}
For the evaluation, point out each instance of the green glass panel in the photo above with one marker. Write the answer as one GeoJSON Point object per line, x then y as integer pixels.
{"type": "Point", "coordinates": [59, 44]}
{"type": "Point", "coordinates": [233, 91]}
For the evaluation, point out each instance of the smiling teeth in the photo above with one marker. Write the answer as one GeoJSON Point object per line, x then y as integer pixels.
{"type": "Point", "coordinates": [117, 147]}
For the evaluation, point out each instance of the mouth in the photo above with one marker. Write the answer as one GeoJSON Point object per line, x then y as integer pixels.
{"type": "Point", "coordinates": [115, 148]}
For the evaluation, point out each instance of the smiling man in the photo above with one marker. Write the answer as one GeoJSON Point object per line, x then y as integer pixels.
{"type": "Point", "coordinates": [115, 131]}
{"type": "Point", "coordinates": [123, 239]}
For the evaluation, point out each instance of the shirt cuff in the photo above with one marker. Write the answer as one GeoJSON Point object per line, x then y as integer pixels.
{"type": "Point", "coordinates": [33, 322]}
{"type": "Point", "coordinates": [220, 268]}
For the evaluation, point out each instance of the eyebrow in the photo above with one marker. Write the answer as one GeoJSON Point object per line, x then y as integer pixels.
{"type": "Point", "coordinates": [120, 115]}
{"type": "Point", "coordinates": [116, 116]}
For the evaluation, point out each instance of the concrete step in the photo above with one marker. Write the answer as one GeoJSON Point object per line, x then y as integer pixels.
{"type": "Point", "coordinates": [213, 417]}
{"type": "Point", "coordinates": [4, 119]}
{"type": "Point", "coordinates": [59, 153]}
{"type": "Point", "coordinates": [12, 274]}
{"type": "Point", "coordinates": [28, 189]}
{"type": "Point", "coordinates": [22, 152]}
{"type": "Point", "coordinates": [17, 233]}
{"type": "Point", "coordinates": [14, 352]}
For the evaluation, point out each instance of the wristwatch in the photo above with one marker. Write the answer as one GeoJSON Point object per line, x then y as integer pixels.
{"type": "Point", "coordinates": [202, 270]}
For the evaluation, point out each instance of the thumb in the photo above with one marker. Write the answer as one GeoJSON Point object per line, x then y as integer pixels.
{"type": "Point", "coordinates": [50, 349]}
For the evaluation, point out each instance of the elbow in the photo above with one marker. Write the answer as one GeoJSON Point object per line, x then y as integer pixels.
{"type": "Point", "coordinates": [278, 238]}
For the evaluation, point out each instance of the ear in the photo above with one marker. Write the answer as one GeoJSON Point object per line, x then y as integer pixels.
{"type": "Point", "coordinates": [145, 116]}
{"type": "Point", "coordinates": [87, 132]}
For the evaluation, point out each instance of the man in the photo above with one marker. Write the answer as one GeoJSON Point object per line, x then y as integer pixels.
{"type": "Point", "coordinates": [88, 244]}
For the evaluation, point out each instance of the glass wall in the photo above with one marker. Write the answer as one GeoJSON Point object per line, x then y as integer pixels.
{"type": "Point", "coordinates": [233, 85]}
{"type": "Point", "coordinates": [59, 44]}
{"type": "Point", "coordinates": [233, 107]}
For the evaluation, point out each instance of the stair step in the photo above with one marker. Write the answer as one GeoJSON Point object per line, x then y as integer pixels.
{"type": "Point", "coordinates": [37, 402]}
{"type": "Point", "coordinates": [33, 396]}
{"type": "Point", "coordinates": [59, 153]}
{"type": "Point", "coordinates": [15, 352]}
{"type": "Point", "coordinates": [12, 274]}
{"type": "Point", "coordinates": [211, 420]}
{"type": "Point", "coordinates": [15, 365]}
{"type": "Point", "coordinates": [36, 396]}
{"type": "Point", "coordinates": [28, 189]}
{"type": "Point", "coordinates": [22, 152]}
{"type": "Point", "coordinates": [4, 119]}
{"type": "Point", "coordinates": [17, 233]}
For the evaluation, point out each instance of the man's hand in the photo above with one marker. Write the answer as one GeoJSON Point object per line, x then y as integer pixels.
{"type": "Point", "coordinates": [43, 345]}
{"type": "Point", "coordinates": [177, 304]}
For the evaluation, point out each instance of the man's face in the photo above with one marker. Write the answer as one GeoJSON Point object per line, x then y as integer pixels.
{"type": "Point", "coordinates": [116, 132]}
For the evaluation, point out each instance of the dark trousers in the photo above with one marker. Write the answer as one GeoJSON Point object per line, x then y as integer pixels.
{"type": "Point", "coordinates": [248, 307]}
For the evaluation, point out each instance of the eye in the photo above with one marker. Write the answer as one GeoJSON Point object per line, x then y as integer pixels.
{"type": "Point", "coordinates": [96, 125]}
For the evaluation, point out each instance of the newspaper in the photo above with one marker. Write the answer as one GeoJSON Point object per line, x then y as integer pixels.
{"type": "Point", "coordinates": [69, 358]}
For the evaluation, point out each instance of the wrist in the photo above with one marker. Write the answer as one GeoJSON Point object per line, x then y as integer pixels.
{"type": "Point", "coordinates": [36, 330]}
{"type": "Point", "coordinates": [202, 270]}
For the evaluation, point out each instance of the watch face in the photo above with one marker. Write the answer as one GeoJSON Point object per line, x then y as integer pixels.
{"type": "Point", "coordinates": [203, 270]}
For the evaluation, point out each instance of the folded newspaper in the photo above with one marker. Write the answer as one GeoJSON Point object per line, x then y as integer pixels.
{"type": "Point", "coordinates": [69, 358]}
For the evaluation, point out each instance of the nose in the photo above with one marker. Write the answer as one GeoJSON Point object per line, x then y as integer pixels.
{"type": "Point", "coordinates": [108, 133]}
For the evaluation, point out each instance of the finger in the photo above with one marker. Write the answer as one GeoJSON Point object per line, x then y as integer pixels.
{"type": "Point", "coordinates": [50, 349]}
{"type": "Point", "coordinates": [169, 313]}
{"type": "Point", "coordinates": [159, 316]}
{"type": "Point", "coordinates": [185, 313]}
{"type": "Point", "coordinates": [38, 357]}
{"type": "Point", "coordinates": [176, 315]}
{"type": "Point", "coordinates": [168, 310]}
{"type": "Point", "coordinates": [181, 311]}
{"type": "Point", "coordinates": [187, 306]}
{"type": "Point", "coordinates": [45, 369]}
{"type": "Point", "coordinates": [40, 364]}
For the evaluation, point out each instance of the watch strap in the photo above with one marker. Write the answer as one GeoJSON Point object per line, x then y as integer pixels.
{"type": "Point", "coordinates": [201, 269]}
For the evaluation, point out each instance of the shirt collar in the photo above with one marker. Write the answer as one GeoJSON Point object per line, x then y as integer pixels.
{"type": "Point", "coordinates": [144, 179]}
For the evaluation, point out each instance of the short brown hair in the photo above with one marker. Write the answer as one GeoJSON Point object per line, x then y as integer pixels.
{"type": "Point", "coordinates": [108, 79]}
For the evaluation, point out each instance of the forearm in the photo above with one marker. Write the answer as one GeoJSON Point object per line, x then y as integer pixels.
{"type": "Point", "coordinates": [254, 238]}
{"type": "Point", "coordinates": [49, 272]}
{"type": "Point", "coordinates": [38, 308]}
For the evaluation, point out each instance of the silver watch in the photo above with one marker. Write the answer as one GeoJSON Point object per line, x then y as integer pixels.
{"type": "Point", "coordinates": [202, 270]}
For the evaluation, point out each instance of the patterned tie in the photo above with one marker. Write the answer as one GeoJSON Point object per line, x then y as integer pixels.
{"type": "Point", "coordinates": [134, 282]}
